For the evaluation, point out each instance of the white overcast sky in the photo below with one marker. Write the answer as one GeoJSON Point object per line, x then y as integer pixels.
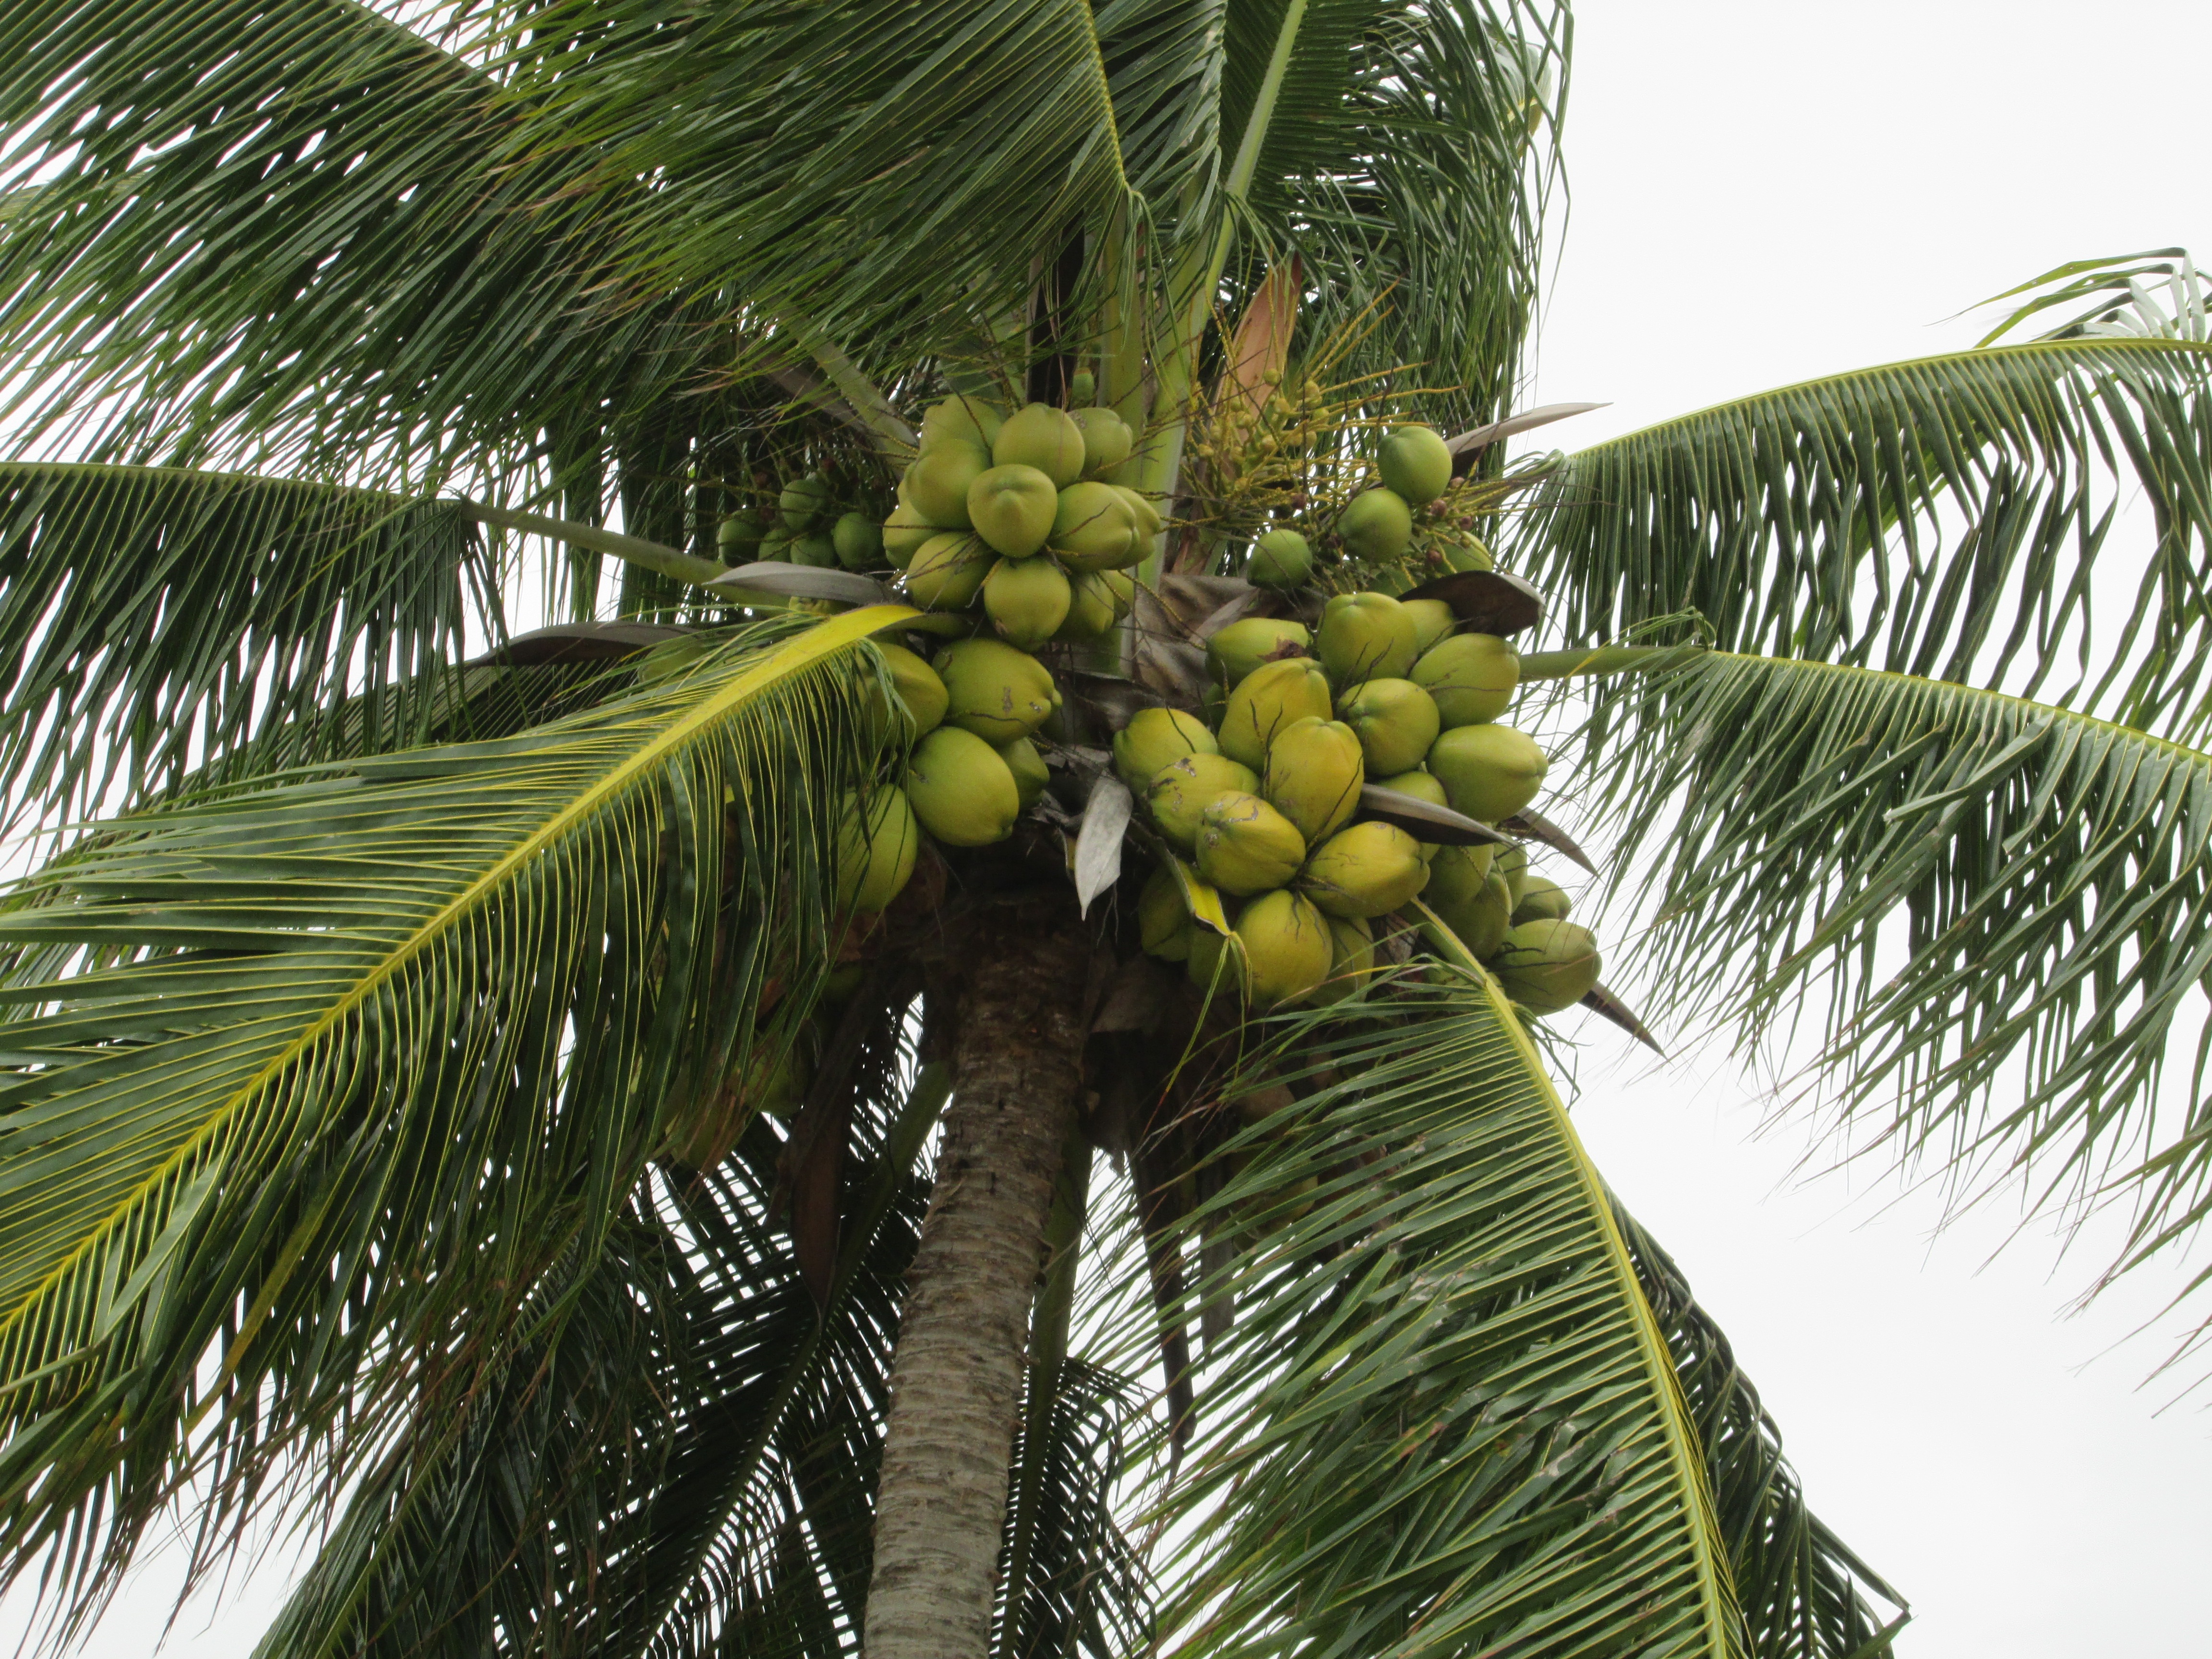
{"type": "Point", "coordinates": [1764, 192]}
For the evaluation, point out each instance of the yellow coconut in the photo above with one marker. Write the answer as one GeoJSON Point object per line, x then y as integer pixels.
{"type": "Point", "coordinates": [1396, 722]}
{"type": "Point", "coordinates": [1153, 738]}
{"type": "Point", "coordinates": [1215, 965]}
{"type": "Point", "coordinates": [1489, 772]}
{"type": "Point", "coordinates": [1267, 700]}
{"type": "Point", "coordinates": [962, 420]}
{"type": "Point", "coordinates": [1313, 776]}
{"type": "Point", "coordinates": [1012, 509]}
{"type": "Point", "coordinates": [936, 484]}
{"type": "Point", "coordinates": [1415, 463]}
{"type": "Point", "coordinates": [904, 532]}
{"type": "Point", "coordinates": [1235, 651]}
{"type": "Point", "coordinates": [1028, 767]}
{"type": "Point", "coordinates": [1421, 785]}
{"type": "Point", "coordinates": [1245, 845]}
{"type": "Point", "coordinates": [1288, 948]}
{"type": "Point", "coordinates": [1042, 437]}
{"type": "Point", "coordinates": [1094, 529]}
{"type": "Point", "coordinates": [995, 690]}
{"type": "Point", "coordinates": [1547, 965]}
{"type": "Point", "coordinates": [961, 789]}
{"type": "Point", "coordinates": [1364, 636]}
{"type": "Point", "coordinates": [1471, 676]}
{"type": "Point", "coordinates": [1281, 559]}
{"type": "Point", "coordinates": [1164, 921]}
{"type": "Point", "coordinates": [921, 695]}
{"type": "Point", "coordinates": [875, 855]}
{"type": "Point", "coordinates": [1352, 959]}
{"type": "Point", "coordinates": [946, 572]}
{"type": "Point", "coordinates": [1178, 795]}
{"type": "Point", "coordinates": [1107, 438]}
{"type": "Point", "coordinates": [1376, 525]}
{"type": "Point", "coordinates": [1368, 870]}
{"type": "Point", "coordinates": [1026, 599]}
{"type": "Point", "coordinates": [1540, 900]}
{"type": "Point", "coordinates": [1433, 622]}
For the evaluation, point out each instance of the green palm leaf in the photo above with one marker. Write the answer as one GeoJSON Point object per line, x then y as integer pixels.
{"type": "Point", "coordinates": [156, 620]}
{"type": "Point", "coordinates": [1996, 894]}
{"type": "Point", "coordinates": [1444, 1418]}
{"type": "Point", "coordinates": [344, 1067]}
{"type": "Point", "coordinates": [1943, 517]}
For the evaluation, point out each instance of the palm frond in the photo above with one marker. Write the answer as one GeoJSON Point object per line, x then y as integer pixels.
{"type": "Point", "coordinates": [1944, 517]}
{"type": "Point", "coordinates": [319, 1081]}
{"type": "Point", "coordinates": [1443, 1417]}
{"type": "Point", "coordinates": [157, 621]}
{"type": "Point", "coordinates": [2007, 904]}
{"type": "Point", "coordinates": [1804, 1593]}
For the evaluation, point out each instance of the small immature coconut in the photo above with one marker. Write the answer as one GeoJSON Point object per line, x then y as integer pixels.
{"type": "Point", "coordinates": [1026, 599]}
{"type": "Point", "coordinates": [1471, 676]}
{"type": "Point", "coordinates": [961, 789]}
{"type": "Point", "coordinates": [904, 532]}
{"type": "Point", "coordinates": [1288, 948]}
{"type": "Point", "coordinates": [936, 483]}
{"type": "Point", "coordinates": [814, 549]}
{"type": "Point", "coordinates": [1416, 464]}
{"type": "Point", "coordinates": [1107, 438]}
{"type": "Point", "coordinates": [1368, 870]}
{"type": "Point", "coordinates": [1043, 437]}
{"type": "Point", "coordinates": [1377, 526]}
{"type": "Point", "coordinates": [803, 501]}
{"type": "Point", "coordinates": [1163, 922]}
{"type": "Point", "coordinates": [921, 695]}
{"type": "Point", "coordinates": [876, 854]}
{"type": "Point", "coordinates": [859, 540]}
{"type": "Point", "coordinates": [1547, 965]}
{"type": "Point", "coordinates": [1281, 559]}
{"type": "Point", "coordinates": [1396, 722]}
{"type": "Point", "coordinates": [1030, 778]}
{"type": "Point", "coordinates": [1489, 772]}
{"type": "Point", "coordinates": [1178, 795]}
{"type": "Point", "coordinates": [1082, 387]}
{"type": "Point", "coordinates": [1541, 899]}
{"type": "Point", "coordinates": [961, 420]}
{"type": "Point", "coordinates": [1235, 651]}
{"type": "Point", "coordinates": [1155, 737]}
{"type": "Point", "coordinates": [992, 689]}
{"type": "Point", "coordinates": [737, 537]}
{"type": "Point", "coordinates": [1433, 622]}
{"type": "Point", "coordinates": [946, 572]}
{"type": "Point", "coordinates": [1364, 636]}
{"type": "Point", "coordinates": [1093, 528]}
{"type": "Point", "coordinates": [1011, 508]}
{"type": "Point", "coordinates": [1245, 845]}
{"type": "Point", "coordinates": [1352, 960]}
{"type": "Point", "coordinates": [1267, 700]}
{"type": "Point", "coordinates": [1313, 776]}
{"type": "Point", "coordinates": [1090, 613]}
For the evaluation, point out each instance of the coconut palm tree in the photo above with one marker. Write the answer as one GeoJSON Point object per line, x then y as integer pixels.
{"type": "Point", "coordinates": [448, 1098]}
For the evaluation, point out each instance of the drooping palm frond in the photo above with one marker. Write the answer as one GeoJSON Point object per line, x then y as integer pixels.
{"type": "Point", "coordinates": [1944, 517]}
{"type": "Point", "coordinates": [155, 621]}
{"type": "Point", "coordinates": [1442, 1418]}
{"type": "Point", "coordinates": [2007, 904]}
{"type": "Point", "coordinates": [322, 1081]}
{"type": "Point", "coordinates": [1805, 1595]}
{"type": "Point", "coordinates": [277, 233]}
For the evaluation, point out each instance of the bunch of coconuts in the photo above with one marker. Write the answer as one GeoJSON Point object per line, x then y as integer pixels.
{"type": "Point", "coordinates": [1259, 805]}
{"type": "Point", "coordinates": [1016, 514]}
{"type": "Point", "coordinates": [810, 524]}
{"type": "Point", "coordinates": [1382, 524]}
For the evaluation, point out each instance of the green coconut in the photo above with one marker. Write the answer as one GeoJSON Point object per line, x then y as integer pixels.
{"type": "Point", "coordinates": [1178, 795]}
{"type": "Point", "coordinates": [813, 549]}
{"type": "Point", "coordinates": [1541, 899]}
{"type": "Point", "coordinates": [1433, 622]}
{"type": "Point", "coordinates": [1122, 585]}
{"type": "Point", "coordinates": [1026, 599]}
{"type": "Point", "coordinates": [1352, 959]}
{"type": "Point", "coordinates": [1164, 921]}
{"type": "Point", "coordinates": [1396, 722]}
{"type": "Point", "coordinates": [1094, 529]}
{"type": "Point", "coordinates": [804, 501]}
{"type": "Point", "coordinates": [995, 690]}
{"type": "Point", "coordinates": [919, 694]}
{"type": "Point", "coordinates": [1416, 465]}
{"type": "Point", "coordinates": [1489, 772]}
{"type": "Point", "coordinates": [1215, 965]}
{"type": "Point", "coordinates": [1011, 508]}
{"type": "Point", "coordinates": [1107, 440]}
{"type": "Point", "coordinates": [1155, 737]}
{"type": "Point", "coordinates": [1480, 921]}
{"type": "Point", "coordinates": [875, 855]}
{"type": "Point", "coordinates": [1313, 776]}
{"type": "Point", "coordinates": [737, 537]}
{"type": "Point", "coordinates": [1366, 636]}
{"type": "Point", "coordinates": [961, 420]}
{"type": "Point", "coordinates": [1030, 777]}
{"type": "Point", "coordinates": [1266, 700]}
{"type": "Point", "coordinates": [1511, 864]}
{"type": "Point", "coordinates": [1235, 651]}
{"type": "Point", "coordinates": [903, 533]}
{"type": "Point", "coordinates": [1376, 525]}
{"type": "Point", "coordinates": [961, 789]}
{"type": "Point", "coordinates": [1288, 948]}
{"type": "Point", "coordinates": [1090, 612]}
{"type": "Point", "coordinates": [1245, 845]}
{"type": "Point", "coordinates": [936, 483]}
{"type": "Point", "coordinates": [1458, 875]}
{"type": "Point", "coordinates": [1082, 387]}
{"type": "Point", "coordinates": [1471, 676]}
{"type": "Point", "coordinates": [859, 540]}
{"type": "Point", "coordinates": [1367, 870]}
{"type": "Point", "coordinates": [946, 572]}
{"type": "Point", "coordinates": [1141, 507]}
{"type": "Point", "coordinates": [1281, 559]}
{"type": "Point", "coordinates": [1043, 437]}
{"type": "Point", "coordinates": [1547, 965]}
{"type": "Point", "coordinates": [1467, 552]}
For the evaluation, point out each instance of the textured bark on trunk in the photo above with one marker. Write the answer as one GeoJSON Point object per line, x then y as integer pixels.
{"type": "Point", "coordinates": [957, 1375]}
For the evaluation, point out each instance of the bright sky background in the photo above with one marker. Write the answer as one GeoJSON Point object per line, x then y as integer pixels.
{"type": "Point", "coordinates": [1763, 194]}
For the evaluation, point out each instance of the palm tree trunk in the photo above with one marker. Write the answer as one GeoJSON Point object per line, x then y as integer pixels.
{"type": "Point", "coordinates": [957, 1375]}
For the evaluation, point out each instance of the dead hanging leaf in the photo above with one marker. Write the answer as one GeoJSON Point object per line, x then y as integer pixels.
{"type": "Point", "coordinates": [566, 643]}
{"type": "Point", "coordinates": [1532, 825]}
{"type": "Point", "coordinates": [1098, 844]}
{"type": "Point", "coordinates": [1425, 821]}
{"type": "Point", "coordinates": [805, 581]}
{"type": "Point", "coordinates": [1485, 601]}
{"type": "Point", "coordinates": [1601, 1001]}
{"type": "Point", "coordinates": [1468, 445]}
